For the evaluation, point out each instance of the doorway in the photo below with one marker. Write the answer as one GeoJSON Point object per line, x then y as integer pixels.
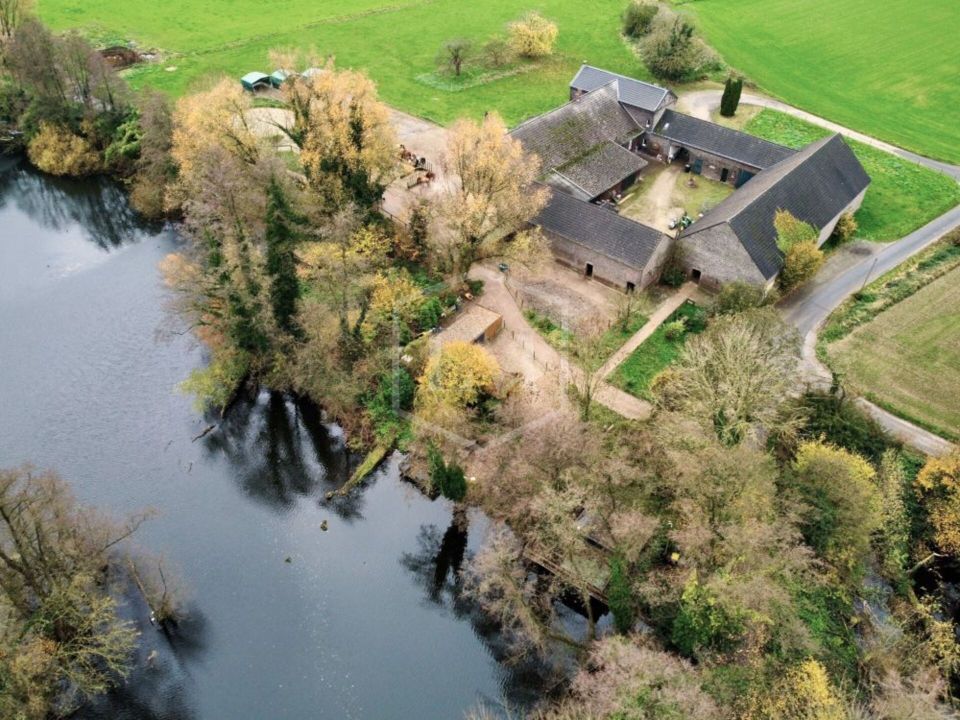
{"type": "Point", "coordinates": [695, 275]}
{"type": "Point", "coordinates": [630, 288]}
{"type": "Point", "coordinates": [589, 271]}
{"type": "Point", "coordinates": [724, 174]}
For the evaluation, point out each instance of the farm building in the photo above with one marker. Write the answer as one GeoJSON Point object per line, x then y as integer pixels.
{"type": "Point", "coordinates": [601, 244]}
{"type": "Point", "coordinates": [711, 150]}
{"type": "Point", "coordinates": [254, 80]}
{"type": "Point", "coordinates": [476, 324]}
{"type": "Point", "coordinates": [278, 77]}
{"type": "Point", "coordinates": [737, 240]}
{"type": "Point", "coordinates": [594, 148]}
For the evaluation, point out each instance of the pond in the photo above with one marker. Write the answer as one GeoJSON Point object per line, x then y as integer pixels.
{"type": "Point", "coordinates": [363, 620]}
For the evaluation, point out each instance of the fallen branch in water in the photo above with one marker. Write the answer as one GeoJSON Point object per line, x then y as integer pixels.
{"type": "Point", "coordinates": [369, 464]}
{"type": "Point", "coordinates": [207, 430]}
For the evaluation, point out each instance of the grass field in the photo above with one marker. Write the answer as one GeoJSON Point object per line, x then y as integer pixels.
{"type": "Point", "coordinates": [657, 352]}
{"type": "Point", "coordinates": [902, 197]}
{"type": "Point", "coordinates": [395, 41]}
{"type": "Point", "coordinates": [889, 68]}
{"type": "Point", "coordinates": [907, 359]}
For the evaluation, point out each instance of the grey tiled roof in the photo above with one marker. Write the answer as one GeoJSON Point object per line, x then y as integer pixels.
{"type": "Point", "coordinates": [574, 129]}
{"type": "Point", "coordinates": [629, 91]}
{"type": "Point", "coordinates": [600, 169]}
{"type": "Point", "coordinates": [599, 229]}
{"type": "Point", "coordinates": [718, 140]}
{"type": "Point", "coordinates": [814, 184]}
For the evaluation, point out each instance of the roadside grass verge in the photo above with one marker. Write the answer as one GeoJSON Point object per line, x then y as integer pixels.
{"type": "Point", "coordinates": [563, 339]}
{"type": "Point", "coordinates": [882, 68]}
{"type": "Point", "coordinates": [902, 197]}
{"type": "Point", "coordinates": [657, 352]}
{"type": "Point", "coordinates": [906, 358]}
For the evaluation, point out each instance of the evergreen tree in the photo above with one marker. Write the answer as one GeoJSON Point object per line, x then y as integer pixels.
{"type": "Point", "coordinates": [281, 237]}
{"type": "Point", "coordinates": [731, 96]}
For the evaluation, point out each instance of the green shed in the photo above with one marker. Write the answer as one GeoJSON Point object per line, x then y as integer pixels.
{"type": "Point", "coordinates": [277, 77]}
{"type": "Point", "coordinates": [253, 80]}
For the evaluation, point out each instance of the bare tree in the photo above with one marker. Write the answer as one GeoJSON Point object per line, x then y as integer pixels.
{"type": "Point", "coordinates": [12, 13]}
{"type": "Point", "coordinates": [454, 53]}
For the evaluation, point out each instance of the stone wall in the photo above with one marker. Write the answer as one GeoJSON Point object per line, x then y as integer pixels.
{"type": "Point", "coordinates": [711, 166]}
{"type": "Point", "coordinates": [605, 269]}
{"type": "Point", "coordinates": [717, 253]}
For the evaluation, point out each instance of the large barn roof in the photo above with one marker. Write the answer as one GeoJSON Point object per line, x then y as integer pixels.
{"type": "Point", "coordinates": [592, 174]}
{"type": "Point", "coordinates": [709, 137]}
{"type": "Point", "coordinates": [629, 90]}
{"type": "Point", "coordinates": [575, 129]}
{"type": "Point", "coordinates": [599, 229]}
{"type": "Point", "coordinates": [814, 184]}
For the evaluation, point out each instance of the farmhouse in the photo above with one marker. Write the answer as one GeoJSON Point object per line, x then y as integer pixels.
{"type": "Point", "coordinates": [594, 148]}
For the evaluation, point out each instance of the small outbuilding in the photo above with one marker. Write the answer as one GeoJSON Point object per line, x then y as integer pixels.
{"type": "Point", "coordinates": [255, 80]}
{"type": "Point", "coordinates": [475, 324]}
{"type": "Point", "coordinates": [278, 77]}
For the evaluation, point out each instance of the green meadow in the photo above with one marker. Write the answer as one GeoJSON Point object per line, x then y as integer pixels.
{"type": "Point", "coordinates": [890, 69]}
{"type": "Point", "coordinates": [395, 42]}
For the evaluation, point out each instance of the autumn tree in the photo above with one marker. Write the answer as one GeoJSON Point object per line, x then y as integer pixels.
{"type": "Point", "coordinates": [798, 241]}
{"type": "Point", "coordinates": [938, 487]}
{"type": "Point", "coordinates": [491, 196]}
{"type": "Point", "coordinates": [348, 145]}
{"type": "Point", "coordinates": [736, 375]}
{"type": "Point", "coordinates": [281, 261]}
{"type": "Point", "coordinates": [803, 693]}
{"type": "Point", "coordinates": [532, 36]}
{"type": "Point", "coordinates": [57, 150]}
{"type": "Point", "coordinates": [154, 168]}
{"type": "Point", "coordinates": [670, 49]}
{"type": "Point", "coordinates": [54, 556]}
{"type": "Point", "coordinates": [843, 504]}
{"type": "Point", "coordinates": [458, 375]}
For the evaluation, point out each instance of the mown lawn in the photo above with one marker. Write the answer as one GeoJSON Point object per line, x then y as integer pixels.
{"type": "Point", "coordinates": [635, 374]}
{"type": "Point", "coordinates": [889, 68]}
{"type": "Point", "coordinates": [907, 359]}
{"type": "Point", "coordinates": [903, 195]}
{"type": "Point", "coordinates": [395, 41]}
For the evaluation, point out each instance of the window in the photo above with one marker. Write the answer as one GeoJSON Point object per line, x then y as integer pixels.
{"type": "Point", "coordinates": [589, 271]}
{"type": "Point", "coordinates": [631, 287]}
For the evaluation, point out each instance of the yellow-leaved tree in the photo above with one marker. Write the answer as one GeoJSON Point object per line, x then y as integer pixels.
{"type": "Point", "coordinates": [55, 149]}
{"type": "Point", "coordinates": [532, 36]}
{"type": "Point", "coordinates": [938, 485]}
{"type": "Point", "coordinates": [803, 693]}
{"type": "Point", "coordinates": [348, 146]}
{"type": "Point", "coordinates": [491, 196]}
{"type": "Point", "coordinates": [798, 241]}
{"type": "Point", "coordinates": [458, 376]}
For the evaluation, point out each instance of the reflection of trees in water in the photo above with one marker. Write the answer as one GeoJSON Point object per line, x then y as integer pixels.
{"type": "Point", "coordinates": [281, 450]}
{"type": "Point", "coordinates": [436, 565]}
{"type": "Point", "coordinates": [96, 205]}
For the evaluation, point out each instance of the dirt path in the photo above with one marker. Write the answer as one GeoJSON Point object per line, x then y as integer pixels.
{"type": "Point", "coordinates": [520, 348]}
{"type": "Point", "coordinates": [656, 206]}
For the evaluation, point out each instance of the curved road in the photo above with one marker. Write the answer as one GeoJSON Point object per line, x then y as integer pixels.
{"type": "Point", "coordinates": [850, 269]}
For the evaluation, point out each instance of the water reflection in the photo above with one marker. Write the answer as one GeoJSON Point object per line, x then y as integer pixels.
{"type": "Point", "coordinates": [97, 206]}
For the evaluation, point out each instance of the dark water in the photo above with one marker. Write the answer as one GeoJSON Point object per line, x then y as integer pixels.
{"type": "Point", "coordinates": [364, 621]}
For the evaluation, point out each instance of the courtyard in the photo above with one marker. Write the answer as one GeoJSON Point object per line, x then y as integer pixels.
{"type": "Point", "coordinates": [666, 192]}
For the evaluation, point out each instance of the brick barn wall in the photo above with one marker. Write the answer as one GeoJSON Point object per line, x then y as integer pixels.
{"type": "Point", "coordinates": [606, 270]}
{"type": "Point", "coordinates": [718, 255]}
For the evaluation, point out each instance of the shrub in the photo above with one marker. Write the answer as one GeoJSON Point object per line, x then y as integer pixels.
{"type": "Point", "coordinates": [803, 693]}
{"type": "Point", "coordinates": [429, 314]}
{"type": "Point", "coordinates": [846, 228]}
{"type": "Point", "coordinates": [674, 330]}
{"type": "Point", "coordinates": [620, 596]}
{"type": "Point", "coordinates": [704, 626]}
{"type": "Point", "coordinates": [671, 51]}
{"type": "Point", "coordinates": [638, 18]}
{"type": "Point", "coordinates": [58, 151]}
{"type": "Point", "coordinates": [801, 263]}
{"type": "Point", "coordinates": [696, 321]}
{"type": "Point", "coordinates": [459, 375]}
{"type": "Point", "coordinates": [735, 297]}
{"type": "Point", "coordinates": [496, 52]}
{"type": "Point", "coordinates": [731, 97]}
{"type": "Point", "coordinates": [938, 486]}
{"type": "Point", "coordinates": [532, 36]}
{"type": "Point", "coordinates": [791, 230]}
{"type": "Point", "coordinates": [673, 272]}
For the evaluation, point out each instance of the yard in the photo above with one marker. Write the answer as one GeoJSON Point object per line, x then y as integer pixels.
{"type": "Point", "coordinates": [888, 69]}
{"type": "Point", "coordinates": [903, 195]}
{"type": "Point", "coordinates": [656, 353]}
{"type": "Point", "coordinates": [665, 192]}
{"type": "Point", "coordinates": [396, 41]}
{"type": "Point", "coordinates": [907, 359]}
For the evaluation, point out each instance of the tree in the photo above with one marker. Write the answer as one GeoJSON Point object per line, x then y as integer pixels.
{"type": "Point", "coordinates": [12, 13]}
{"type": "Point", "coordinates": [791, 230]}
{"type": "Point", "coordinates": [620, 596]}
{"type": "Point", "coordinates": [348, 145]}
{"type": "Point", "coordinates": [459, 375]}
{"type": "Point", "coordinates": [496, 52]}
{"type": "Point", "coordinates": [938, 487]}
{"type": "Point", "coordinates": [803, 693]}
{"type": "Point", "coordinates": [637, 18]}
{"type": "Point", "coordinates": [736, 375]}
{"type": "Point", "coordinates": [154, 168]}
{"type": "Point", "coordinates": [671, 51]}
{"type": "Point", "coordinates": [395, 305]}
{"type": "Point", "coordinates": [491, 196]}
{"type": "Point", "coordinates": [731, 96]}
{"type": "Point", "coordinates": [801, 263]}
{"type": "Point", "coordinates": [55, 149]}
{"type": "Point", "coordinates": [54, 556]}
{"type": "Point", "coordinates": [532, 36]}
{"type": "Point", "coordinates": [454, 53]}
{"type": "Point", "coordinates": [846, 228]}
{"type": "Point", "coordinates": [587, 351]}
{"type": "Point", "coordinates": [281, 261]}
{"type": "Point", "coordinates": [843, 504]}
{"type": "Point", "coordinates": [736, 297]}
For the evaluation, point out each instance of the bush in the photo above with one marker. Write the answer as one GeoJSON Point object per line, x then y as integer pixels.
{"type": "Point", "coordinates": [801, 263]}
{"type": "Point", "coordinates": [429, 314]}
{"type": "Point", "coordinates": [731, 97]}
{"type": "Point", "coordinates": [638, 18]}
{"type": "Point", "coordinates": [673, 272]}
{"type": "Point", "coordinates": [496, 52]}
{"type": "Point", "coordinates": [696, 321]}
{"type": "Point", "coordinates": [532, 36]}
{"type": "Point", "coordinates": [846, 228]}
{"type": "Point", "coordinates": [672, 52]}
{"type": "Point", "coordinates": [704, 626]}
{"type": "Point", "coordinates": [58, 151]}
{"type": "Point", "coordinates": [736, 297]}
{"type": "Point", "coordinates": [674, 330]}
{"type": "Point", "coordinates": [620, 596]}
